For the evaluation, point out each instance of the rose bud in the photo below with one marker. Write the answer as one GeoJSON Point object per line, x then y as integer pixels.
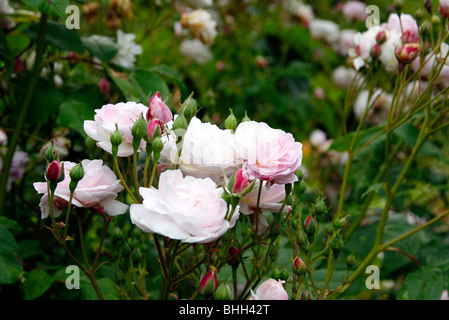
{"type": "Point", "coordinates": [407, 52]}
{"type": "Point", "coordinates": [223, 292]}
{"type": "Point", "coordinates": [104, 86]}
{"type": "Point", "coordinates": [376, 51]}
{"type": "Point", "coordinates": [299, 266]}
{"type": "Point", "coordinates": [234, 255]}
{"type": "Point", "coordinates": [154, 129]}
{"type": "Point", "coordinates": [231, 121]}
{"type": "Point", "coordinates": [381, 37]}
{"type": "Point", "coordinates": [189, 108]}
{"type": "Point", "coordinates": [54, 171]}
{"type": "Point", "coordinates": [444, 8]}
{"type": "Point", "coordinates": [310, 225]}
{"type": "Point", "coordinates": [158, 109]}
{"type": "Point", "coordinates": [208, 283]}
{"type": "Point", "coordinates": [306, 296]}
{"type": "Point", "coordinates": [76, 174]}
{"type": "Point", "coordinates": [242, 181]}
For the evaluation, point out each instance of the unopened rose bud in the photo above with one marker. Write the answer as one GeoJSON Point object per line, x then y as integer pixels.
{"type": "Point", "coordinates": [299, 266]}
{"type": "Point", "coordinates": [158, 145]}
{"type": "Point", "coordinates": [242, 181]}
{"type": "Point", "coordinates": [310, 225]}
{"type": "Point", "coordinates": [52, 152]}
{"type": "Point", "coordinates": [104, 86]}
{"type": "Point", "coordinates": [231, 121]}
{"type": "Point", "coordinates": [223, 292]}
{"type": "Point", "coordinates": [428, 5]}
{"type": "Point", "coordinates": [154, 129]}
{"type": "Point", "coordinates": [261, 62]}
{"type": "Point", "coordinates": [208, 283]}
{"type": "Point", "coordinates": [407, 52]}
{"type": "Point", "coordinates": [116, 140]}
{"type": "Point", "coordinates": [337, 244]}
{"type": "Point", "coordinates": [234, 255]}
{"type": "Point", "coordinates": [158, 109]}
{"type": "Point", "coordinates": [189, 108]}
{"type": "Point", "coordinates": [54, 171]}
{"type": "Point", "coordinates": [381, 37]}
{"type": "Point", "coordinates": [180, 123]}
{"type": "Point", "coordinates": [320, 206]}
{"type": "Point", "coordinates": [139, 130]}
{"type": "Point", "coordinates": [76, 174]}
{"type": "Point", "coordinates": [444, 8]}
{"type": "Point", "coordinates": [419, 14]}
{"type": "Point", "coordinates": [246, 118]}
{"type": "Point", "coordinates": [351, 261]}
{"type": "Point", "coordinates": [306, 295]}
{"type": "Point", "coordinates": [435, 20]}
{"type": "Point", "coordinates": [376, 51]}
{"type": "Point", "coordinates": [398, 5]}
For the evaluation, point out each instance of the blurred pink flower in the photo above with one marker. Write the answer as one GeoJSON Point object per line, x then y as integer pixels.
{"type": "Point", "coordinates": [188, 209]}
{"type": "Point", "coordinates": [354, 11]}
{"type": "Point", "coordinates": [17, 169]}
{"type": "Point", "coordinates": [406, 26]}
{"type": "Point", "coordinates": [97, 190]}
{"type": "Point", "coordinates": [271, 199]}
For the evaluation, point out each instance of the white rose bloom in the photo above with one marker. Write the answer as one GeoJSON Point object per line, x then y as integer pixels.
{"type": "Point", "coordinates": [195, 50]}
{"type": "Point", "coordinates": [325, 30]}
{"type": "Point", "coordinates": [128, 49]}
{"type": "Point", "coordinates": [201, 25]}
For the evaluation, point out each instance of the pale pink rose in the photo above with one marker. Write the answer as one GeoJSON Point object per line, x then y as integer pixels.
{"type": "Point", "coordinates": [188, 209]}
{"type": "Point", "coordinates": [270, 289]}
{"type": "Point", "coordinates": [407, 26]}
{"type": "Point", "coordinates": [103, 125]}
{"type": "Point", "coordinates": [343, 77]}
{"type": "Point", "coordinates": [444, 295]}
{"type": "Point", "coordinates": [268, 154]}
{"type": "Point", "coordinates": [97, 190]}
{"type": "Point", "coordinates": [354, 11]}
{"type": "Point", "coordinates": [158, 109]}
{"type": "Point", "coordinates": [271, 199]}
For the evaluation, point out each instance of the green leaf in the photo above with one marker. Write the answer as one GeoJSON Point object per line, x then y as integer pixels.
{"type": "Point", "coordinates": [54, 7]}
{"type": "Point", "coordinates": [10, 268]}
{"type": "Point", "coordinates": [37, 282]}
{"type": "Point", "coordinates": [375, 187]}
{"type": "Point", "coordinates": [128, 86]}
{"type": "Point", "coordinates": [339, 144]}
{"type": "Point", "coordinates": [150, 82]}
{"type": "Point", "coordinates": [45, 104]}
{"type": "Point", "coordinates": [73, 113]}
{"type": "Point", "coordinates": [102, 47]}
{"type": "Point", "coordinates": [426, 283]}
{"type": "Point", "coordinates": [58, 36]}
{"type": "Point", "coordinates": [106, 285]}
{"type": "Point", "coordinates": [409, 133]}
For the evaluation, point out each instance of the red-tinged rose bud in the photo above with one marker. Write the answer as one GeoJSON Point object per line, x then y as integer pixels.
{"type": "Point", "coordinates": [381, 37]}
{"type": "Point", "coordinates": [306, 296]}
{"type": "Point", "coordinates": [310, 225]}
{"type": "Point", "coordinates": [407, 52]}
{"type": "Point", "coordinates": [54, 171]}
{"type": "Point", "coordinates": [299, 266]}
{"type": "Point", "coordinates": [261, 62]}
{"type": "Point", "coordinates": [242, 181]}
{"type": "Point", "coordinates": [158, 109]}
{"type": "Point", "coordinates": [376, 51]}
{"type": "Point", "coordinates": [234, 255]}
{"type": "Point", "coordinates": [104, 86]}
{"type": "Point", "coordinates": [444, 9]}
{"type": "Point", "coordinates": [154, 129]}
{"type": "Point", "coordinates": [208, 283]}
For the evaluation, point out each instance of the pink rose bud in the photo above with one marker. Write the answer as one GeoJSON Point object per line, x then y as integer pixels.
{"type": "Point", "coordinates": [208, 283]}
{"type": "Point", "coordinates": [407, 52]}
{"type": "Point", "coordinates": [310, 225]}
{"type": "Point", "coordinates": [444, 8]}
{"type": "Point", "coordinates": [158, 109]}
{"type": "Point", "coordinates": [104, 86]}
{"type": "Point", "coordinates": [152, 126]}
{"type": "Point", "coordinates": [261, 62]}
{"type": "Point", "coordinates": [299, 266]}
{"type": "Point", "coordinates": [381, 37]}
{"type": "Point", "coordinates": [242, 181]}
{"type": "Point", "coordinates": [54, 171]}
{"type": "Point", "coordinates": [376, 51]}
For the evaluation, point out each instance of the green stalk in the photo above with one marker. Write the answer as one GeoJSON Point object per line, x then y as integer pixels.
{"type": "Point", "coordinates": [40, 48]}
